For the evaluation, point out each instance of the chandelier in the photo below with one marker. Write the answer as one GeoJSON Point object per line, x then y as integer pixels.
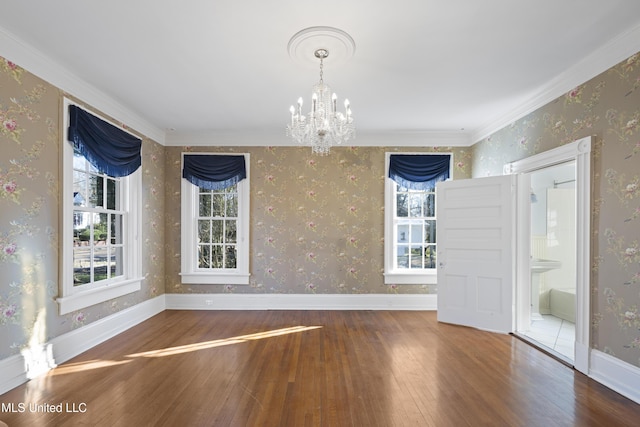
{"type": "Point", "coordinates": [324, 126]}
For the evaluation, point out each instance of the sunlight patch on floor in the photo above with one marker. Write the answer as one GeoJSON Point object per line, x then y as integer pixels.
{"type": "Point", "coordinates": [72, 368]}
{"type": "Point", "coordinates": [170, 351]}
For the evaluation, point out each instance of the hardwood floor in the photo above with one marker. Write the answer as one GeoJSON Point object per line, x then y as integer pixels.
{"type": "Point", "coordinates": [313, 368]}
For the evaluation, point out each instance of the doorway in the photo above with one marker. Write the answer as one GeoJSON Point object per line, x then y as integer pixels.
{"type": "Point", "coordinates": [553, 241]}
{"type": "Point", "coordinates": [549, 320]}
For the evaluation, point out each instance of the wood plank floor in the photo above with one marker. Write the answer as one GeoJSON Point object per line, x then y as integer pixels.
{"type": "Point", "coordinates": [314, 368]}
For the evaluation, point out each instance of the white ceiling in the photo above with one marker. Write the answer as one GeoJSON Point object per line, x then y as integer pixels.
{"type": "Point", "coordinates": [218, 72]}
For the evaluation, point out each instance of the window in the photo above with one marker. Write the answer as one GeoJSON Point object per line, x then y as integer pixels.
{"type": "Point", "coordinates": [101, 222]}
{"type": "Point", "coordinates": [215, 224]}
{"type": "Point", "coordinates": [410, 216]}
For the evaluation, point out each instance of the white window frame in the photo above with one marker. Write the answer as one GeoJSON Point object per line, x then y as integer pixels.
{"type": "Point", "coordinates": [392, 274]}
{"type": "Point", "coordinates": [190, 273]}
{"type": "Point", "coordinates": [73, 298]}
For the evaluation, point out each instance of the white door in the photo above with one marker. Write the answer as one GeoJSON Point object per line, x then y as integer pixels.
{"type": "Point", "coordinates": [476, 252]}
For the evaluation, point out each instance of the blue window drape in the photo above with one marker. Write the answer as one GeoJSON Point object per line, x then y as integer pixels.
{"type": "Point", "coordinates": [213, 172]}
{"type": "Point", "coordinates": [419, 172]}
{"type": "Point", "coordinates": [111, 150]}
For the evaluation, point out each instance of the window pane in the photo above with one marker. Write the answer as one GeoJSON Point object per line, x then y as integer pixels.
{"type": "Point", "coordinates": [205, 205]}
{"type": "Point", "coordinates": [112, 194]}
{"type": "Point", "coordinates": [415, 205]}
{"type": "Point", "coordinates": [100, 229]}
{"type": "Point", "coordinates": [116, 229]}
{"type": "Point", "coordinates": [230, 231]}
{"type": "Point", "coordinates": [116, 267]}
{"type": "Point", "coordinates": [232, 205]}
{"type": "Point", "coordinates": [204, 231]}
{"type": "Point", "coordinates": [402, 256]}
{"type": "Point", "coordinates": [81, 265]}
{"type": "Point", "coordinates": [416, 233]}
{"type": "Point", "coordinates": [100, 261]}
{"type": "Point", "coordinates": [81, 230]}
{"type": "Point", "coordinates": [430, 231]}
{"type": "Point", "coordinates": [217, 235]}
{"type": "Point", "coordinates": [79, 162]}
{"type": "Point", "coordinates": [402, 203]}
{"type": "Point", "coordinates": [403, 233]}
{"type": "Point", "coordinates": [79, 188]}
{"type": "Point", "coordinates": [218, 205]}
{"type": "Point", "coordinates": [230, 259]}
{"type": "Point", "coordinates": [204, 256]}
{"type": "Point", "coordinates": [96, 191]}
{"type": "Point", "coordinates": [430, 256]}
{"type": "Point", "coordinates": [216, 256]}
{"type": "Point", "coordinates": [430, 205]}
{"type": "Point", "coordinates": [416, 256]}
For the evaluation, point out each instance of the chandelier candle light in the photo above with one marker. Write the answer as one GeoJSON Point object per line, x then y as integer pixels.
{"type": "Point", "coordinates": [323, 126]}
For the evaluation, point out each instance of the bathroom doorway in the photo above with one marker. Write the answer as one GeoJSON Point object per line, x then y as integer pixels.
{"type": "Point", "coordinates": [552, 251]}
{"type": "Point", "coordinates": [550, 320]}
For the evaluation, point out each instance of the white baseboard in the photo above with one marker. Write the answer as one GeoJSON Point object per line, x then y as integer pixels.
{"type": "Point", "coordinates": [300, 302]}
{"type": "Point", "coordinates": [616, 374]}
{"type": "Point", "coordinates": [17, 369]}
{"type": "Point", "coordinates": [12, 373]}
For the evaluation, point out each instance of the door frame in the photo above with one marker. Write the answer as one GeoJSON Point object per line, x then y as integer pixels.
{"type": "Point", "coordinates": [580, 152]}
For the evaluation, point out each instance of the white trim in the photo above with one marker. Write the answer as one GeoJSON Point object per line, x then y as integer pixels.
{"type": "Point", "coordinates": [301, 302]}
{"type": "Point", "coordinates": [580, 151]}
{"type": "Point", "coordinates": [214, 278]}
{"type": "Point", "coordinates": [408, 278]}
{"type": "Point", "coordinates": [616, 374]}
{"type": "Point", "coordinates": [48, 69]}
{"type": "Point", "coordinates": [12, 373]}
{"type": "Point", "coordinates": [80, 300]}
{"type": "Point", "coordinates": [15, 370]}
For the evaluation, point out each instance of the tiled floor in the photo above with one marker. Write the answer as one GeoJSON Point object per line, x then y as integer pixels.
{"type": "Point", "coordinates": [554, 333]}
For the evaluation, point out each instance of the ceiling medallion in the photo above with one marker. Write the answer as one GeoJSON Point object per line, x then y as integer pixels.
{"type": "Point", "coordinates": [324, 126]}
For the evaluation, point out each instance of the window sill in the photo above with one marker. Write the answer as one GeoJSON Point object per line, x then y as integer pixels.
{"type": "Point", "coordinates": [410, 278]}
{"type": "Point", "coordinates": [83, 299]}
{"type": "Point", "coordinates": [215, 278]}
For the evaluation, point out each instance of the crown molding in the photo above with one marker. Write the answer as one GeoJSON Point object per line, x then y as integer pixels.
{"type": "Point", "coordinates": [47, 69]}
{"type": "Point", "coordinates": [613, 52]}
{"type": "Point", "coordinates": [277, 138]}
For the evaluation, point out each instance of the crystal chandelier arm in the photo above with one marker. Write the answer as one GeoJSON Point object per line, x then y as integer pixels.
{"type": "Point", "coordinates": [324, 126]}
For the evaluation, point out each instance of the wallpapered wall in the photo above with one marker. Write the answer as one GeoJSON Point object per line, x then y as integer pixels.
{"type": "Point", "coordinates": [29, 216]}
{"type": "Point", "coordinates": [608, 108]}
{"type": "Point", "coordinates": [317, 223]}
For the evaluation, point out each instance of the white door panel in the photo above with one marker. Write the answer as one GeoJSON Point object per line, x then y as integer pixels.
{"type": "Point", "coordinates": [476, 252]}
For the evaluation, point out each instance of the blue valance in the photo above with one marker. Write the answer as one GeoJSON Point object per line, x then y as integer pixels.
{"type": "Point", "coordinates": [111, 150]}
{"type": "Point", "coordinates": [419, 172]}
{"type": "Point", "coordinates": [213, 172]}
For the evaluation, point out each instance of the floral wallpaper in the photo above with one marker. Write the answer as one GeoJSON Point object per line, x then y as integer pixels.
{"type": "Point", "coordinates": [317, 223]}
{"type": "Point", "coordinates": [608, 108]}
{"type": "Point", "coordinates": [30, 189]}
